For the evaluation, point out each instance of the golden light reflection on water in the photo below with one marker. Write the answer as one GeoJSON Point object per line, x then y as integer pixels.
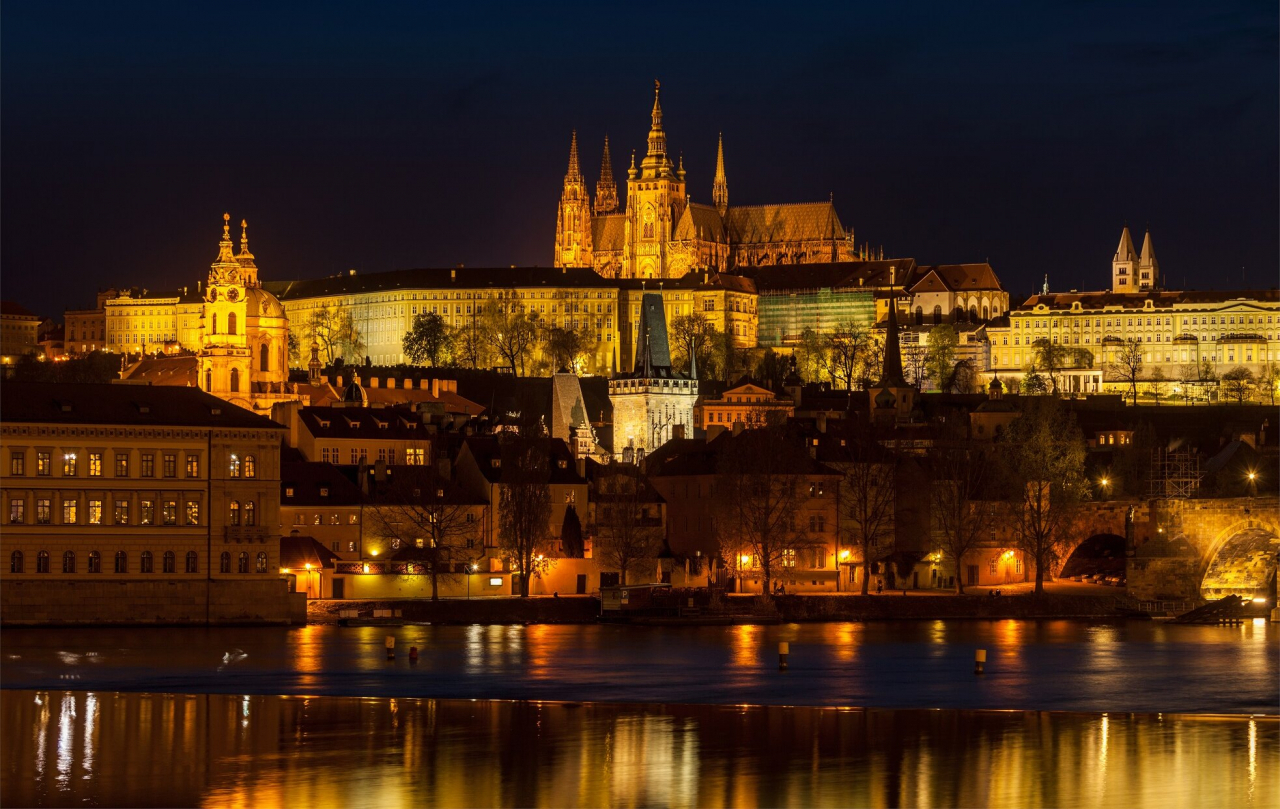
{"type": "Point", "coordinates": [246, 751]}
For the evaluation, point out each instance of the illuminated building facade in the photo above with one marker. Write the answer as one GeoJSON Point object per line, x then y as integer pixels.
{"type": "Point", "coordinates": [661, 233]}
{"type": "Point", "coordinates": [19, 330]}
{"type": "Point", "coordinates": [168, 491]}
{"type": "Point", "coordinates": [652, 403]}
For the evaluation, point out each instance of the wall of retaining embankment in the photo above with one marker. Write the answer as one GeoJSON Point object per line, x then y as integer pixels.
{"type": "Point", "coordinates": [570, 610]}
{"type": "Point", "coordinates": [872, 608]}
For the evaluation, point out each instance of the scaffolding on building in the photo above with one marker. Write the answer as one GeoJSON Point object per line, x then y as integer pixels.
{"type": "Point", "coordinates": [1175, 474]}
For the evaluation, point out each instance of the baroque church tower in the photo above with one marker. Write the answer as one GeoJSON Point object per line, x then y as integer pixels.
{"type": "Point", "coordinates": [244, 334]}
{"type": "Point", "coordinates": [655, 200]}
{"type": "Point", "coordinates": [573, 223]}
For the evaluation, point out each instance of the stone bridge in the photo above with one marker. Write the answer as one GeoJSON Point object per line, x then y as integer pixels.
{"type": "Point", "coordinates": [1184, 549]}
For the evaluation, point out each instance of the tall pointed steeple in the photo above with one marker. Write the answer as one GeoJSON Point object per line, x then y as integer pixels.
{"type": "Point", "coordinates": [573, 223]}
{"type": "Point", "coordinates": [606, 188]}
{"type": "Point", "coordinates": [720, 188]}
{"type": "Point", "coordinates": [1124, 266]}
{"type": "Point", "coordinates": [1148, 266]}
{"type": "Point", "coordinates": [891, 376]}
{"type": "Point", "coordinates": [656, 163]}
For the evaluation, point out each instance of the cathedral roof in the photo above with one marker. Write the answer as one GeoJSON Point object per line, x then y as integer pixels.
{"type": "Point", "coordinates": [608, 231]}
{"type": "Point", "coordinates": [801, 221]}
{"type": "Point", "coordinates": [702, 222]}
{"type": "Point", "coordinates": [956, 278]}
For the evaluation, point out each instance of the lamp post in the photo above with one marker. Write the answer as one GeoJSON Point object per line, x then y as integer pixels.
{"type": "Point", "coordinates": [1106, 487]}
{"type": "Point", "coordinates": [471, 568]}
{"type": "Point", "coordinates": [1253, 483]}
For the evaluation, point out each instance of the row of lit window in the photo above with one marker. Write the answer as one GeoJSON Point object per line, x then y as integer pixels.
{"type": "Point", "coordinates": [318, 519]}
{"type": "Point", "coordinates": [412, 456]}
{"type": "Point", "coordinates": [147, 465]}
{"type": "Point", "coordinates": [169, 562]}
{"type": "Point", "coordinates": [94, 511]}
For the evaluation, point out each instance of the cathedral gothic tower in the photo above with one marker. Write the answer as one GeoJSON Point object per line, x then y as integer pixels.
{"type": "Point", "coordinates": [573, 224]}
{"type": "Point", "coordinates": [720, 188]}
{"type": "Point", "coordinates": [606, 189]}
{"type": "Point", "coordinates": [655, 200]}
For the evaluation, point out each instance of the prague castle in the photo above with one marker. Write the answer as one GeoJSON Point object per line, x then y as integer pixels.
{"type": "Point", "coordinates": [662, 233]}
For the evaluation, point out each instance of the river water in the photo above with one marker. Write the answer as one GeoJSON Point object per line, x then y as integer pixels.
{"type": "Point", "coordinates": [1067, 714]}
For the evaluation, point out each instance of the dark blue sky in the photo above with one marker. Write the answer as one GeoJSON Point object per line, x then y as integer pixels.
{"type": "Point", "coordinates": [373, 136]}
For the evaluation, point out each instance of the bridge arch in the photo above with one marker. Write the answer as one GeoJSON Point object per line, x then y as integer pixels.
{"type": "Point", "coordinates": [1102, 552]}
{"type": "Point", "coordinates": [1242, 559]}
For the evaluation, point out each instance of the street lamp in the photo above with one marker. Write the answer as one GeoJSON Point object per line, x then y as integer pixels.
{"type": "Point", "coordinates": [1105, 482]}
{"type": "Point", "coordinates": [471, 568]}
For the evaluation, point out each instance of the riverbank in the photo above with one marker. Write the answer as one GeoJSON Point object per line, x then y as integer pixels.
{"type": "Point", "coordinates": [737, 609]}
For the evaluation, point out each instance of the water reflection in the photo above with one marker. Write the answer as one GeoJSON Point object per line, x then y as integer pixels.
{"type": "Point", "coordinates": [235, 751]}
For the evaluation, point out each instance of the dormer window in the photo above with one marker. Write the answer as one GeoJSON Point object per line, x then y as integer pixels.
{"type": "Point", "coordinates": [324, 491]}
{"type": "Point", "coordinates": [439, 492]}
{"type": "Point", "coordinates": [564, 464]}
{"type": "Point", "coordinates": [495, 463]}
{"type": "Point", "coordinates": [288, 491]}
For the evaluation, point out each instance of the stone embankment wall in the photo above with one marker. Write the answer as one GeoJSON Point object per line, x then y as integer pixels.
{"type": "Point", "coordinates": [161, 601]}
{"type": "Point", "coordinates": [870, 608]}
{"type": "Point", "coordinates": [565, 610]}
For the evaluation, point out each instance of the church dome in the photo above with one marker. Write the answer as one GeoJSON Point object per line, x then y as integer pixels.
{"type": "Point", "coordinates": [262, 303]}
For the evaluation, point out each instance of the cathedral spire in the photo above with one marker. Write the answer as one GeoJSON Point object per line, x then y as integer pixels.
{"type": "Point", "coordinates": [720, 188]}
{"type": "Point", "coordinates": [606, 188]}
{"type": "Point", "coordinates": [657, 156]}
{"type": "Point", "coordinates": [575, 171]}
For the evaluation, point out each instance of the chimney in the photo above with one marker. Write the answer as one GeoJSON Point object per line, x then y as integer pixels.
{"type": "Point", "coordinates": [380, 470]}
{"type": "Point", "coordinates": [582, 467]}
{"type": "Point", "coordinates": [813, 448]}
{"type": "Point", "coordinates": [435, 388]}
{"type": "Point", "coordinates": [677, 431]}
{"type": "Point", "coordinates": [373, 381]}
{"type": "Point", "coordinates": [444, 469]}
{"type": "Point", "coordinates": [738, 427]}
{"type": "Point", "coordinates": [822, 422]}
{"type": "Point", "coordinates": [453, 275]}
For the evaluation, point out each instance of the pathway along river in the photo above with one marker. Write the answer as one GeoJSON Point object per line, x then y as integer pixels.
{"type": "Point", "coordinates": [1128, 714]}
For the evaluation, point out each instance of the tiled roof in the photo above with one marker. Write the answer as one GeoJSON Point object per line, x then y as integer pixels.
{"type": "Point", "coordinates": [313, 483]}
{"type": "Point", "coordinates": [487, 448]}
{"type": "Point", "coordinates": [700, 222]}
{"type": "Point", "coordinates": [388, 423]}
{"type": "Point", "coordinates": [1099, 300]}
{"type": "Point", "coordinates": [457, 278]}
{"type": "Point", "coordinates": [135, 405]}
{"type": "Point", "coordinates": [833, 275]}
{"type": "Point", "coordinates": [15, 309]}
{"type": "Point", "coordinates": [296, 552]}
{"type": "Point", "coordinates": [956, 278]}
{"type": "Point", "coordinates": [183, 371]}
{"type": "Point", "coordinates": [801, 221]}
{"type": "Point", "coordinates": [608, 231]}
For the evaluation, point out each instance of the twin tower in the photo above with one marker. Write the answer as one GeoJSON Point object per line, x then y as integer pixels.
{"type": "Point", "coordinates": [662, 233]}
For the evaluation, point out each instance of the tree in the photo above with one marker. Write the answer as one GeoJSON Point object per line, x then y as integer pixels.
{"type": "Point", "coordinates": [510, 332]}
{"type": "Point", "coordinates": [693, 336]}
{"type": "Point", "coordinates": [1127, 366]}
{"type": "Point", "coordinates": [470, 345]}
{"type": "Point", "coordinates": [1238, 384]}
{"type": "Point", "coordinates": [433, 519]}
{"type": "Point", "coordinates": [524, 504]}
{"type": "Point", "coordinates": [1188, 375]}
{"type": "Point", "coordinates": [964, 379]}
{"type": "Point", "coordinates": [771, 370]}
{"type": "Point", "coordinates": [427, 340]}
{"type": "Point", "coordinates": [1269, 379]}
{"type": "Point", "coordinates": [1033, 383]}
{"type": "Point", "coordinates": [334, 329]}
{"type": "Point", "coordinates": [1157, 383]}
{"type": "Point", "coordinates": [295, 350]}
{"type": "Point", "coordinates": [758, 477]}
{"type": "Point", "coordinates": [625, 531]}
{"type": "Point", "coordinates": [1042, 466]}
{"type": "Point", "coordinates": [915, 362]}
{"type": "Point", "coordinates": [960, 474]}
{"type": "Point", "coordinates": [868, 498]}
{"type": "Point", "coordinates": [811, 355]}
{"type": "Point", "coordinates": [940, 354]}
{"type": "Point", "coordinates": [568, 348]}
{"type": "Point", "coordinates": [846, 353]}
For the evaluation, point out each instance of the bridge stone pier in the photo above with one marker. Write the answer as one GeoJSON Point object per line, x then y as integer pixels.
{"type": "Point", "coordinates": [1207, 549]}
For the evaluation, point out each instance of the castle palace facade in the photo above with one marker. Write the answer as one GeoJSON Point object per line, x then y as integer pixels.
{"type": "Point", "coordinates": [661, 233]}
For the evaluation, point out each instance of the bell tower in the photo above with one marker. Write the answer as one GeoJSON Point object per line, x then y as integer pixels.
{"type": "Point", "coordinates": [655, 200]}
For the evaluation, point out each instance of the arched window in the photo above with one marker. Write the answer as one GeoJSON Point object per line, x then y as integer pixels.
{"type": "Point", "coordinates": [957, 314]}
{"type": "Point", "coordinates": [95, 562]}
{"type": "Point", "coordinates": [250, 513]}
{"type": "Point", "coordinates": [263, 362]}
{"type": "Point", "coordinates": [235, 380]}
{"type": "Point", "coordinates": [243, 566]}
{"type": "Point", "coordinates": [193, 563]}
{"type": "Point", "coordinates": [919, 315]}
{"type": "Point", "coordinates": [973, 312]}
{"type": "Point", "coordinates": [122, 562]}
{"type": "Point", "coordinates": [69, 562]}
{"type": "Point", "coordinates": [235, 466]}
{"type": "Point", "coordinates": [16, 562]}
{"type": "Point", "coordinates": [231, 323]}
{"type": "Point", "coordinates": [215, 323]}
{"type": "Point", "coordinates": [42, 562]}
{"type": "Point", "coordinates": [986, 313]}
{"type": "Point", "coordinates": [148, 562]}
{"type": "Point", "coordinates": [208, 381]}
{"type": "Point", "coordinates": [250, 466]}
{"type": "Point", "coordinates": [224, 563]}
{"type": "Point", "coordinates": [937, 315]}
{"type": "Point", "coordinates": [170, 562]}
{"type": "Point", "coordinates": [234, 517]}
{"type": "Point", "coordinates": [261, 567]}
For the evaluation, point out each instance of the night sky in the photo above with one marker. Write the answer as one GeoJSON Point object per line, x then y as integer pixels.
{"type": "Point", "coordinates": [378, 137]}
